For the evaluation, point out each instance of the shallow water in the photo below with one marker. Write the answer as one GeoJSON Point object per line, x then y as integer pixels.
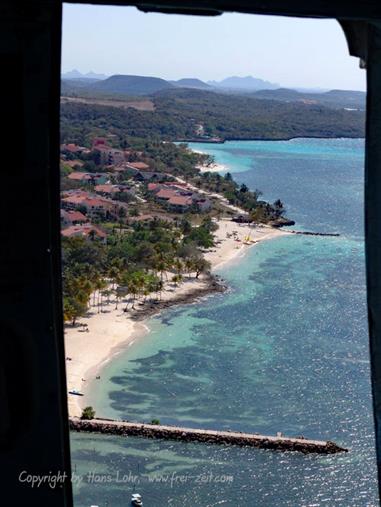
{"type": "Point", "coordinates": [284, 350]}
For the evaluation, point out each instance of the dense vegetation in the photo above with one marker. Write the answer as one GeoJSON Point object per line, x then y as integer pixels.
{"type": "Point", "coordinates": [132, 264]}
{"type": "Point", "coordinates": [241, 196]}
{"type": "Point", "coordinates": [243, 117]}
{"type": "Point", "coordinates": [227, 116]}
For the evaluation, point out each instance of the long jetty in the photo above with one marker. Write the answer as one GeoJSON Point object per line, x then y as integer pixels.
{"type": "Point", "coordinates": [158, 431]}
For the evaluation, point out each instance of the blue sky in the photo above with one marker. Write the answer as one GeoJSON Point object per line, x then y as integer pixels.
{"type": "Point", "coordinates": [288, 51]}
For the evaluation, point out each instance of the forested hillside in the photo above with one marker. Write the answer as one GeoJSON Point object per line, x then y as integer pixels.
{"type": "Point", "coordinates": [179, 112]}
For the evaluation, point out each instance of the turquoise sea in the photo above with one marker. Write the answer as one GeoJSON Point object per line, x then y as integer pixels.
{"type": "Point", "coordinates": [285, 349]}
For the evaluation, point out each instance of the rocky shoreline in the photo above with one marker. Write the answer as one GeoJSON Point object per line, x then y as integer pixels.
{"type": "Point", "coordinates": [213, 284]}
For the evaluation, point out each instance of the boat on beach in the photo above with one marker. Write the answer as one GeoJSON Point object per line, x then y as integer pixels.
{"type": "Point", "coordinates": [76, 392]}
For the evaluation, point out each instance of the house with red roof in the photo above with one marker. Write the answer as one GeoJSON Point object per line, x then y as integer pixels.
{"type": "Point", "coordinates": [93, 205]}
{"type": "Point", "coordinates": [91, 178]}
{"type": "Point", "coordinates": [73, 201]}
{"type": "Point", "coordinates": [88, 231]}
{"type": "Point", "coordinates": [71, 217]}
{"type": "Point", "coordinates": [73, 148]}
{"type": "Point", "coordinates": [179, 203]}
{"type": "Point", "coordinates": [79, 176]}
{"type": "Point", "coordinates": [106, 155]}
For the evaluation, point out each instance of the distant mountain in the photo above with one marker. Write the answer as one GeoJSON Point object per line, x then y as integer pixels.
{"type": "Point", "coordinates": [192, 83]}
{"type": "Point", "coordinates": [248, 83]}
{"type": "Point", "coordinates": [131, 85]}
{"type": "Point", "coordinates": [75, 74]}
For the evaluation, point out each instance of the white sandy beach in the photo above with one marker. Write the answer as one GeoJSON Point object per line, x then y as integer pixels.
{"type": "Point", "coordinates": [212, 168]}
{"type": "Point", "coordinates": [113, 330]}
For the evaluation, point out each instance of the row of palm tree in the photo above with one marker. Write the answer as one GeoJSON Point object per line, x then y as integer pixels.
{"type": "Point", "coordinates": [97, 287]}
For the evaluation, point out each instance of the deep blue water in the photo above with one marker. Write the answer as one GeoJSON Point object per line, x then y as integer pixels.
{"type": "Point", "coordinates": [284, 350]}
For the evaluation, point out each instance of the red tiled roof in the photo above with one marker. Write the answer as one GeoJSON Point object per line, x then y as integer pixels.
{"type": "Point", "coordinates": [95, 202]}
{"type": "Point", "coordinates": [73, 163]}
{"type": "Point", "coordinates": [82, 230]}
{"type": "Point", "coordinates": [166, 194]}
{"type": "Point", "coordinates": [75, 199]}
{"type": "Point", "coordinates": [109, 189]}
{"type": "Point", "coordinates": [179, 200]}
{"type": "Point", "coordinates": [153, 186]}
{"type": "Point", "coordinates": [73, 148]}
{"type": "Point", "coordinates": [76, 216]}
{"type": "Point", "coordinates": [138, 165]}
{"type": "Point", "coordinates": [79, 176]}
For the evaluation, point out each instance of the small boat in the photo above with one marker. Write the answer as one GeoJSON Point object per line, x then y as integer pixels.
{"type": "Point", "coordinates": [136, 499]}
{"type": "Point", "coordinates": [248, 240]}
{"type": "Point", "coordinates": [77, 393]}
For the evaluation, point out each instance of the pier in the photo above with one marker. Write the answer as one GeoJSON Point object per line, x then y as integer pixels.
{"type": "Point", "coordinates": [278, 442]}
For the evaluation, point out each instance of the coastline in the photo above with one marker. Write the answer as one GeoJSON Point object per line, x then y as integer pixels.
{"type": "Point", "coordinates": [227, 139]}
{"type": "Point", "coordinates": [113, 330]}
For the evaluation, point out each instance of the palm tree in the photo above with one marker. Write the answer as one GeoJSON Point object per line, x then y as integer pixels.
{"type": "Point", "coordinates": [162, 267]}
{"type": "Point", "coordinates": [114, 273]}
{"type": "Point", "coordinates": [189, 265]}
{"type": "Point", "coordinates": [201, 266]}
{"type": "Point", "coordinates": [120, 292]}
{"type": "Point", "coordinates": [134, 290]}
{"type": "Point", "coordinates": [100, 284]}
{"type": "Point", "coordinates": [178, 266]}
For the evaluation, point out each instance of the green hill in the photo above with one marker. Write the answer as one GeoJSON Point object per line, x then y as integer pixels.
{"type": "Point", "coordinates": [179, 112]}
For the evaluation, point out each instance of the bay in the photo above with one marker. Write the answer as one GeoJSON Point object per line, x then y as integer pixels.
{"type": "Point", "coordinates": [285, 349]}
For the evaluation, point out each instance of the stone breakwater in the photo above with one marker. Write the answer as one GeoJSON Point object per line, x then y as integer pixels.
{"type": "Point", "coordinates": [279, 442]}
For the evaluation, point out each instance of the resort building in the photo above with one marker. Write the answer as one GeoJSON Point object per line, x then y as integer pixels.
{"type": "Point", "coordinates": [71, 217]}
{"type": "Point", "coordinates": [74, 148]}
{"type": "Point", "coordinates": [108, 156]}
{"type": "Point", "coordinates": [179, 197]}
